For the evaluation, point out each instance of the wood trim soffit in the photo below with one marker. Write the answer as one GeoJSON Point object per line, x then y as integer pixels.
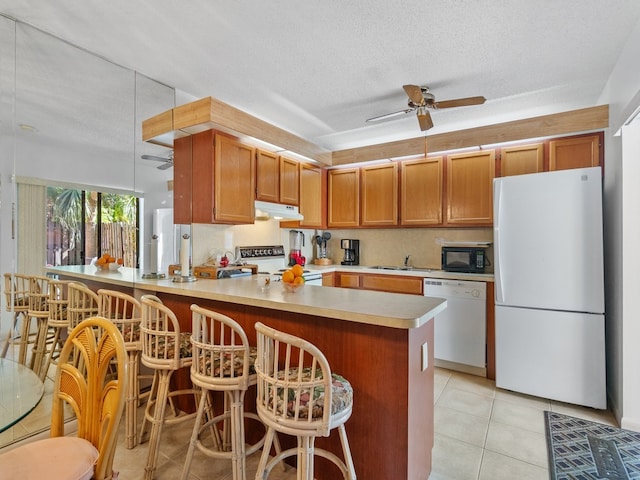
{"type": "Point", "coordinates": [592, 118]}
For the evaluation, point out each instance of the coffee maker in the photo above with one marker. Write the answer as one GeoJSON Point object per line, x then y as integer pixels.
{"type": "Point", "coordinates": [351, 249]}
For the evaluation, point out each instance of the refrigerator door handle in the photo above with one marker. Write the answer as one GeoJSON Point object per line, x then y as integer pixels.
{"type": "Point", "coordinates": [497, 190]}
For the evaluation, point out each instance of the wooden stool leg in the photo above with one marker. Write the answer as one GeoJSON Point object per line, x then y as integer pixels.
{"type": "Point", "coordinates": [237, 434]}
{"type": "Point", "coordinates": [131, 416]}
{"type": "Point", "coordinates": [194, 435]}
{"type": "Point", "coordinates": [158, 420]}
{"type": "Point", "coordinates": [153, 394]}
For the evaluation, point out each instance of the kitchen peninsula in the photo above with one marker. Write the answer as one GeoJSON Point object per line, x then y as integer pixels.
{"type": "Point", "coordinates": [381, 342]}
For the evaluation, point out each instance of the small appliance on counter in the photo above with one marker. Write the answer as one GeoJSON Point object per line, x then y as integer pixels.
{"type": "Point", "coordinates": [296, 242]}
{"type": "Point", "coordinates": [351, 249]}
{"type": "Point", "coordinates": [469, 258]}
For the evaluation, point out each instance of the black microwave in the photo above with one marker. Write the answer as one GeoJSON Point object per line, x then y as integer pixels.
{"type": "Point", "coordinates": [463, 259]}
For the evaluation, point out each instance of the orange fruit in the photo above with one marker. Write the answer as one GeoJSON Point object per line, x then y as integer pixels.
{"type": "Point", "coordinates": [298, 281]}
{"type": "Point", "coordinates": [120, 261]}
{"type": "Point", "coordinates": [297, 270]}
{"type": "Point", "coordinates": [288, 276]}
{"type": "Point", "coordinates": [101, 261]}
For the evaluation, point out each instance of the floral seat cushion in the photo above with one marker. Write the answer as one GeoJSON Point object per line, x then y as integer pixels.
{"type": "Point", "coordinates": [312, 398]}
{"type": "Point", "coordinates": [215, 366]}
{"type": "Point", "coordinates": [159, 351]}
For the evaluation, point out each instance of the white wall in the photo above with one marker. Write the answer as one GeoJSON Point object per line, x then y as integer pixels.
{"type": "Point", "coordinates": [621, 209]}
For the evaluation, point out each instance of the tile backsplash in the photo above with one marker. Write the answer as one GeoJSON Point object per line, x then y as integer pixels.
{"type": "Point", "coordinates": [377, 246]}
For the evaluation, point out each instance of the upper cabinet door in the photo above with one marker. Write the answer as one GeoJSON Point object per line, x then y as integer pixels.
{"type": "Point", "coordinates": [470, 188]}
{"type": "Point", "coordinates": [421, 191]}
{"type": "Point", "coordinates": [182, 187]}
{"type": "Point", "coordinates": [234, 181]}
{"type": "Point", "coordinates": [267, 176]}
{"type": "Point", "coordinates": [344, 198]}
{"type": "Point", "coordinates": [521, 159]}
{"type": "Point", "coordinates": [289, 181]}
{"type": "Point", "coordinates": [576, 152]}
{"type": "Point", "coordinates": [312, 193]}
{"type": "Point", "coordinates": [379, 195]}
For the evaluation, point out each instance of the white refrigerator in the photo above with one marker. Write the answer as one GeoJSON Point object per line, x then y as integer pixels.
{"type": "Point", "coordinates": [549, 290]}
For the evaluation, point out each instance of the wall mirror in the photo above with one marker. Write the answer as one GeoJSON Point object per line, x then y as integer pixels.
{"type": "Point", "coordinates": [71, 119]}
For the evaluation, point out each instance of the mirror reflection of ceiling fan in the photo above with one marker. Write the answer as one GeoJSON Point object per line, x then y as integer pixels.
{"type": "Point", "coordinates": [421, 100]}
{"type": "Point", "coordinates": [167, 162]}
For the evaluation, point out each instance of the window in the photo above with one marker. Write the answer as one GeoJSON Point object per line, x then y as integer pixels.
{"type": "Point", "coordinates": [82, 225]}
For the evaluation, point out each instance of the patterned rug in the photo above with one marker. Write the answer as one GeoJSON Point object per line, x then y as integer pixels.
{"type": "Point", "coordinates": [583, 450]}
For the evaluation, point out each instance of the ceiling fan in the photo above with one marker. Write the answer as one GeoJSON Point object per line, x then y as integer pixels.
{"type": "Point", "coordinates": [167, 162]}
{"type": "Point", "coordinates": [421, 100]}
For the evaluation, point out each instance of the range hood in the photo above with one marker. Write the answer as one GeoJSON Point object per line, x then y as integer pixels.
{"type": "Point", "coordinates": [268, 211]}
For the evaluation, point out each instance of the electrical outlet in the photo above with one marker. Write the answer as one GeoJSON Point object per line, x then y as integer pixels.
{"type": "Point", "coordinates": [425, 356]}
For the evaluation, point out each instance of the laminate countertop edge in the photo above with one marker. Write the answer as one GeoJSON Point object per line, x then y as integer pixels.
{"type": "Point", "coordinates": [394, 310]}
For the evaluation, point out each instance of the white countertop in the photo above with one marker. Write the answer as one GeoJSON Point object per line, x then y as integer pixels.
{"type": "Point", "coordinates": [375, 308]}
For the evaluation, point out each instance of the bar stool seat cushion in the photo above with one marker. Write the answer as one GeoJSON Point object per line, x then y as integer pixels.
{"type": "Point", "coordinates": [342, 394]}
{"type": "Point", "coordinates": [159, 351]}
{"type": "Point", "coordinates": [222, 367]}
{"type": "Point", "coordinates": [58, 458]}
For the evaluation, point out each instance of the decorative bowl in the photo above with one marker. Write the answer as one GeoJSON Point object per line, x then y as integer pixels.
{"type": "Point", "coordinates": [292, 287]}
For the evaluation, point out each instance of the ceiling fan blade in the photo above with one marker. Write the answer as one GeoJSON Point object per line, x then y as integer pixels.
{"type": "Point", "coordinates": [154, 157]}
{"type": "Point", "coordinates": [424, 119]}
{"type": "Point", "coordinates": [389, 115]}
{"type": "Point", "coordinates": [164, 166]}
{"type": "Point", "coordinates": [460, 102]}
{"type": "Point", "coordinates": [414, 93]}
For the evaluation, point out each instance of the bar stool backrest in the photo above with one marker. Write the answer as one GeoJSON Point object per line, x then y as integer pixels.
{"type": "Point", "coordinates": [39, 296]}
{"type": "Point", "coordinates": [83, 303]}
{"type": "Point", "coordinates": [160, 335]}
{"type": "Point", "coordinates": [16, 291]}
{"type": "Point", "coordinates": [125, 312]}
{"type": "Point", "coordinates": [294, 383]}
{"type": "Point", "coordinates": [58, 300]}
{"type": "Point", "coordinates": [221, 353]}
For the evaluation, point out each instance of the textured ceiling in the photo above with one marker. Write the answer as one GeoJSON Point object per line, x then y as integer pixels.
{"type": "Point", "coordinates": [320, 68]}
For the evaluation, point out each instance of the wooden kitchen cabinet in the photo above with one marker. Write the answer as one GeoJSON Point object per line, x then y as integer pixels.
{"type": "Point", "coordinates": [380, 282]}
{"type": "Point", "coordinates": [312, 193]}
{"type": "Point", "coordinates": [328, 279]}
{"type": "Point", "coordinates": [222, 179]}
{"type": "Point", "coordinates": [470, 188]}
{"type": "Point", "coordinates": [347, 280]}
{"type": "Point", "coordinates": [575, 152]}
{"type": "Point", "coordinates": [521, 159]}
{"type": "Point", "coordinates": [343, 209]}
{"type": "Point", "coordinates": [277, 178]}
{"type": "Point", "coordinates": [379, 195]}
{"type": "Point", "coordinates": [267, 176]}
{"type": "Point", "coordinates": [182, 181]}
{"type": "Point", "coordinates": [289, 181]}
{"type": "Point", "coordinates": [392, 283]}
{"type": "Point", "coordinates": [421, 191]}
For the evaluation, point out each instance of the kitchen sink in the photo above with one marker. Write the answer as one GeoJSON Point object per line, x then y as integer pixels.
{"type": "Point", "coordinates": [401, 267]}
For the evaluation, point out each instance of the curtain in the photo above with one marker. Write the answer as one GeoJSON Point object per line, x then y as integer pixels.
{"type": "Point", "coordinates": [31, 229]}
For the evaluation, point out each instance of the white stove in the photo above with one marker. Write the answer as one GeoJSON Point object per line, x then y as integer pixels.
{"type": "Point", "coordinates": [272, 260]}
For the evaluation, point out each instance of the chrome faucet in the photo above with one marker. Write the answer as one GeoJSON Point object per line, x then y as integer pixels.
{"type": "Point", "coordinates": [406, 260]}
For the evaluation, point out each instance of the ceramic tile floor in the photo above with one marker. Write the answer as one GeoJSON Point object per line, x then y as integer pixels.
{"type": "Point", "coordinates": [486, 433]}
{"type": "Point", "coordinates": [481, 433]}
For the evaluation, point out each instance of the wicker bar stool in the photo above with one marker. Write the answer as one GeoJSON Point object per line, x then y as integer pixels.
{"type": "Point", "coordinates": [299, 395]}
{"type": "Point", "coordinates": [39, 311]}
{"type": "Point", "coordinates": [165, 349]}
{"type": "Point", "coordinates": [57, 323]}
{"type": "Point", "coordinates": [16, 290]}
{"type": "Point", "coordinates": [82, 303]}
{"type": "Point", "coordinates": [125, 312]}
{"type": "Point", "coordinates": [222, 361]}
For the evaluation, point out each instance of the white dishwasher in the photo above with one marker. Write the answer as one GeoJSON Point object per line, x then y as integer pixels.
{"type": "Point", "coordinates": [460, 330]}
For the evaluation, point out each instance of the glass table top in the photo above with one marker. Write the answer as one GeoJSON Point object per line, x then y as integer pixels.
{"type": "Point", "coordinates": [20, 391]}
